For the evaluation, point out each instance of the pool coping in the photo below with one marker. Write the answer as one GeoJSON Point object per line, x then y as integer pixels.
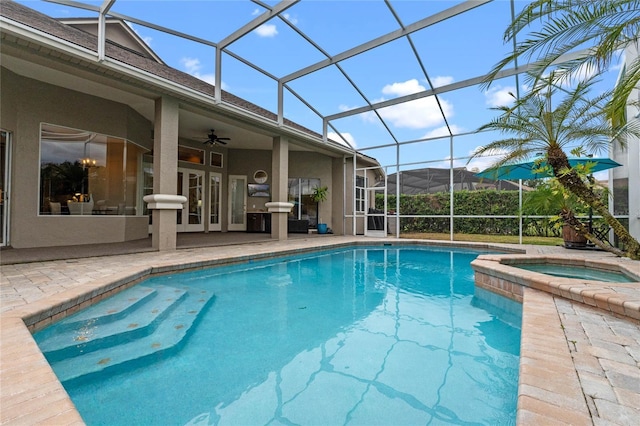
{"type": "Point", "coordinates": [546, 363]}
{"type": "Point", "coordinates": [31, 392]}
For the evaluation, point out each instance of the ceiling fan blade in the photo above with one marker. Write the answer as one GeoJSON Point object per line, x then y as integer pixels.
{"type": "Point", "coordinates": [223, 139]}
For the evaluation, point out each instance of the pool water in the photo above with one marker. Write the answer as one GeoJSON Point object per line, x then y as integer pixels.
{"type": "Point", "coordinates": [578, 272]}
{"type": "Point", "coordinates": [375, 335]}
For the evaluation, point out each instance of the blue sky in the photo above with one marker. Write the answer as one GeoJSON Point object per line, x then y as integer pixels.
{"type": "Point", "coordinates": [460, 48]}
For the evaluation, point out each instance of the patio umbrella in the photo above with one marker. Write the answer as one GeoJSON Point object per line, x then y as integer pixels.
{"type": "Point", "coordinates": [529, 169]}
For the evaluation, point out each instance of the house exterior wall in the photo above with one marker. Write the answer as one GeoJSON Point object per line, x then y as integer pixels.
{"type": "Point", "coordinates": [247, 162]}
{"type": "Point", "coordinates": [338, 199]}
{"type": "Point", "coordinates": [624, 181]}
{"type": "Point", "coordinates": [315, 165]}
{"type": "Point", "coordinates": [37, 102]}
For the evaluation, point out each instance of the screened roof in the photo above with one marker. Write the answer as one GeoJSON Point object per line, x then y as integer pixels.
{"type": "Point", "coordinates": [376, 76]}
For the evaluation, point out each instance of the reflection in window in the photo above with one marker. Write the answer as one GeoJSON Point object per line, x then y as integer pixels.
{"type": "Point", "coordinates": [84, 173]}
{"type": "Point", "coordinates": [304, 208]}
{"type": "Point", "coordinates": [190, 155]}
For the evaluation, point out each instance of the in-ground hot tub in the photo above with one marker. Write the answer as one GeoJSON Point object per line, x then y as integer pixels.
{"type": "Point", "coordinates": [578, 272]}
{"type": "Point", "coordinates": [608, 283]}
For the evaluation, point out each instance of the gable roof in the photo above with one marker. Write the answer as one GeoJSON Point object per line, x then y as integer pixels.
{"type": "Point", "coordinates": [55, 28]}
{"type": "Point", "coordinates": [118, 33]}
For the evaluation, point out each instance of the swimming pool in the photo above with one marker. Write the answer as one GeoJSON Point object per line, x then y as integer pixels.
{"type": "Point", "coordinates": [353, 336]}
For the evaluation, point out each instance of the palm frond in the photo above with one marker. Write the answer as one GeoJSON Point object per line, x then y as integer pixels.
{"type": "Point", "coordinates": [605, 26]}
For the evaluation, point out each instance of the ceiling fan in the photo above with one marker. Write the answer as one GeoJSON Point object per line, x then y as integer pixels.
{"type": "Point", "coordinates": [214, 139]}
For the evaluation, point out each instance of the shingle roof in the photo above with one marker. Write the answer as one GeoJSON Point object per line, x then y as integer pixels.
{"type": "Point", "coordinates": [42, 22]}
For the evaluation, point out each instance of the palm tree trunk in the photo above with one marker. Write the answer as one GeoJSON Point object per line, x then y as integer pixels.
{"type": "Point", "coordinates": [570, 219]}
{"type": "Point", "coordinates": [573, 183]}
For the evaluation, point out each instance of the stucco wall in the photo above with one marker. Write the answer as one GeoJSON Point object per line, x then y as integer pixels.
{"type": "Point", "coordinates": [246, 162]}
{"type": "Point", "coordinates": [301, 165]}
{"type": "Point", "coordinates": [314, 165]}
{"type": "Point", "coordinates": [37, 102]}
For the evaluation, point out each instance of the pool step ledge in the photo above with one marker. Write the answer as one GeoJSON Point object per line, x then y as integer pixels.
{"type": "Point", "coordinates": [93, 330]}
{"type": "Point", "coordinates": [122, 351]}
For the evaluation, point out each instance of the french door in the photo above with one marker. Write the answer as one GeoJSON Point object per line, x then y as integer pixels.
{"type": "Point", "coordinates": [215, 192]}
{"type": "Point", "coordinates": [191, 185]}
{"type": "Point", "coordinates": [237, 203]}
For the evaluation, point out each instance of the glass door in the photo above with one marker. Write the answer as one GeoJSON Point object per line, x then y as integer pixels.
{"type": "Point", "coordinates": [191, 185]}
{"type": "Point", "coordinates": [237, 203]}
{"type": "Point", "coordinates": [215, 191]}
{"type": "Point", "coordinates": [4, 187]}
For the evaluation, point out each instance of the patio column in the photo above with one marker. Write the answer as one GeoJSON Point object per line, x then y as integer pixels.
{"type": "Point", "coordinates": [279, 207]}
{"type": "Point", "coordinates": [164, 200]}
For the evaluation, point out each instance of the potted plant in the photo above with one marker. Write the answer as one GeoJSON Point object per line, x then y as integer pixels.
{"type": "Point", "coordinates": [319, 195]}
{"type": "Point", "coordinates": [551, 198]}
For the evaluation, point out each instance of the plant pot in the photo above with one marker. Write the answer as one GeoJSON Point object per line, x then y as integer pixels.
{"type": "Point", "coordinates": [572, 239]}
{"type": "Point", "coordinates": [322, 228]}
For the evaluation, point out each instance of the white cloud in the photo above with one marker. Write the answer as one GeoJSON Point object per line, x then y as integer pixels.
{"type": "Point", "coordinates": [147, 39]}
{"type": "Point", "coordinates": [290, 18]}
{"type": "Point", "coordinates": [499, 96]}
{"type": "Point", "coordinates": [266, 30]}
{"type": "Point", "coordinates": [583, 73]}
{"type": "Point", "coordinates": [440, 81]}
{"type": "Point", "coordinates": [405, 88]}
{"type": "Point", "coordinates": [193, 66]}
{"type": "Point", "coordinates": [478, 164]}
{"type": "Point", "coordinates": [256, 12]}
{"type": "Point", "coordinates": [482, 163]}
{"type": "Point", "coordinates": [337, 137]}
{"type": "Point", "coordinates": [418, 114]}
{"type": "Point", "coordinates": [442, 131]}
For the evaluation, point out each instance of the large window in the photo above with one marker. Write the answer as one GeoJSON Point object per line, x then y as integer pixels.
{"type": "Point", "coordinates": [85, 173]}
{"type": "Point", "coordinates": [304, 208]}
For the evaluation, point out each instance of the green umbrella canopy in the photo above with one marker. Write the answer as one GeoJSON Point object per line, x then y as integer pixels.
{"type": "Point", "coordinates": [536, 169]}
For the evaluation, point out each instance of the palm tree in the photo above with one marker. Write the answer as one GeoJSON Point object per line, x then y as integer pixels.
{"type": "Point", "coordinates": [605, 27]}
{"type": "Point", "coordinates": [536, 126]}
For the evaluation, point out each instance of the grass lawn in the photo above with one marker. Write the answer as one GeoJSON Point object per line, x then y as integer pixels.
{"type": "Point", "coordinates": [479, 238]}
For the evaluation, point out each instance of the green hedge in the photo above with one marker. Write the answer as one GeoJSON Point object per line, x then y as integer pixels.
{"type": "Point", "coordinates": [466, 203]}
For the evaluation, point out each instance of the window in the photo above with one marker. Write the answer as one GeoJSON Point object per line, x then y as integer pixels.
{"type": "Point", "coordinates": [84, 173]}
{"type": "Point", "coordinates": [304, 208]}
{"type": "Point", "coordinates": [360, 191]}
{"type": "Point", "coordinates": [216, 159]}
{"type": "Point", "coordinates": [190, 155]}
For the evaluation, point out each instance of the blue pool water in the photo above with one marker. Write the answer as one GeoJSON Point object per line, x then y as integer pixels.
{"type": "Point", "coordinates": [376, 335]}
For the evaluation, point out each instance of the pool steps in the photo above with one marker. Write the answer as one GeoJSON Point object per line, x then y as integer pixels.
{"type": "Point", "coordinates": [124, 318]}
{"type": "Point", "coordinates": [156, 321]}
